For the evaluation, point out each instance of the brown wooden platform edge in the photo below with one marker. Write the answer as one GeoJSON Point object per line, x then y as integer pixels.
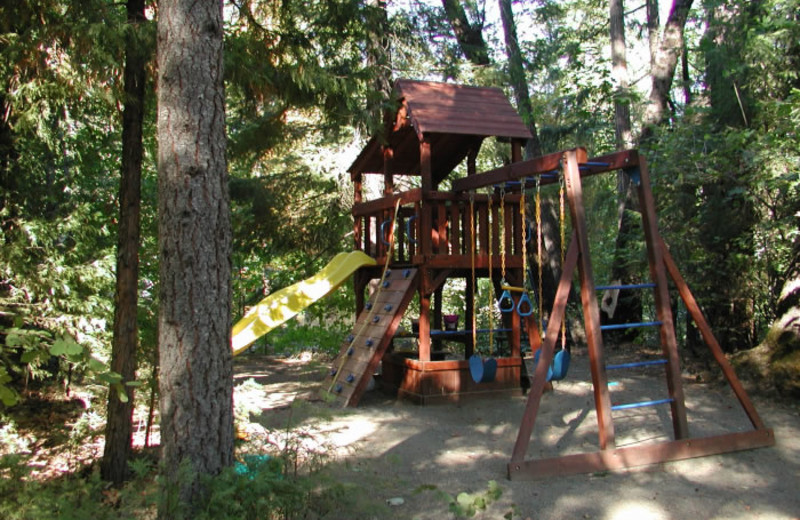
{"type": "Point", "coordinates": [451, 398]}
{"type": "Point", "coordinates": [642, 455]}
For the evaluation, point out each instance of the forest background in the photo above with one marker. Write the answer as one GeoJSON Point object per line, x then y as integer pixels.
{"type": "Point", "coordinates": [305, 86]}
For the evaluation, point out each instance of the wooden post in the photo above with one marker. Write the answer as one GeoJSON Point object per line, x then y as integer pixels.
{"type": "Point", "coordinates": [669, 344]}
{"type": "Point", "coordinates": [591, 311]}
{"type": "Point", "coordinates": [388, 178]}
{"type": "Point", "coordinates": [426, 218]}
{"type": "Point", "coordinates": [358, 196]}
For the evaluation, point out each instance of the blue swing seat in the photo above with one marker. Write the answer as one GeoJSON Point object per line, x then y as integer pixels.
{"type": "Point", "coordinates": [559, 367]}
{"type": "Point", "coordinates": [482, 371]}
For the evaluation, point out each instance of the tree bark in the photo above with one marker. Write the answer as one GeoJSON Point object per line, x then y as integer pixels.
{"type": "Point", "coordinates": [126, 330]}
{"type": "Point", "coordinates": [663, 69]}
{"type": "Point", "coordinates": [378, 60]}
{"type": "Point", "coordinates": [196, 367]}
{"type": "Point", "coordinates": [653, 24]}
{"type": "Point", "coordinates": [619, 73]}
{"type": "Point", "coordinates": [470, 37]}
{"type": "Point", "coordinates": [533, 148]}
{"type": "Point", "coordinates": [628, 308]}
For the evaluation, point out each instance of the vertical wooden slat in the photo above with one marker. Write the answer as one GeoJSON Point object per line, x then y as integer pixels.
{"type": "Point", "coordinates": [483, 227]}
{"type": "Point", "coordinates": [441, 223]}
{"type": "Point", "coordinates": [454, 235]}
{"type": "Point", "coordinates": [669, 344]}
{"type": "Point", "coordinates": [591, 311]}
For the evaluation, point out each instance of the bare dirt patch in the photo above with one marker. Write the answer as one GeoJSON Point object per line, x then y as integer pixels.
{"type": "Point", "coordinates": [400, 460]}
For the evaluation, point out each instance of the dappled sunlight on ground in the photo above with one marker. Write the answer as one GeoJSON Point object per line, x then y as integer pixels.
{"type": "Point", "coordinates": [428, 455]}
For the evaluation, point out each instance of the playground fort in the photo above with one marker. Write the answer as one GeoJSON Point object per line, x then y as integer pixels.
{"type": "Point", "coordinates": [409, 244]}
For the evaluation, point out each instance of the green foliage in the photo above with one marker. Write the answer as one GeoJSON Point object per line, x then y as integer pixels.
{"type": "Point", "coordinates": [467, 505]}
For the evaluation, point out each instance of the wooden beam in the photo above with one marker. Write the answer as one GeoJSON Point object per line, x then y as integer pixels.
{"type": "Point", "coordinates": [512, 172]}
{"type": "Point", "coordinates": [546, 357]}
{"type": "Point", "coordinates": [705, 330]}
{"type": "Point", "coordinates": [669, 344]}
{"type": "Point", "coordinates": [591, 311]}
{"type": "Point", "coordinates": [640, 455]}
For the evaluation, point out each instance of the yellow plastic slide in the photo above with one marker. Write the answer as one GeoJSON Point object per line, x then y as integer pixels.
{"type": "Point", "coordinates": [284, 304]}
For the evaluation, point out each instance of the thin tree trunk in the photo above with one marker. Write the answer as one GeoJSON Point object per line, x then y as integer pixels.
{"type": "Point", "coordinates": [629, 303]}
{"type": "Point", "coordinates": [378, 61]}
{"type": "Point", "coordinates": [126, 330]}
{"type": "Point", "coordinates": [653, 25]}
{"type": "Point", "coordinates": [663, 70]}
{"type": "Point", "coordinates": [196, 364]}
{"type": "Point", "coordinates": [619, 73]}
{"type": "Point", "coordinates": [519, 83]}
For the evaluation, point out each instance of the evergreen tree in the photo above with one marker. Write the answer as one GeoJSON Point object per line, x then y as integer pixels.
{"type": "Point", "coordinates": [196, 366]}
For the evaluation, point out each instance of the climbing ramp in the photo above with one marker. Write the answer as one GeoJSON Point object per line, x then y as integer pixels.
{"type": "Point", "coordinates": [362, 350]}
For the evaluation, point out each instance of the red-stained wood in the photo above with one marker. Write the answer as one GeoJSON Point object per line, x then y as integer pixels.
{"type": "Point", "coordinates": [539, 379]}
{"type": "Point", "coordinates": [708, 336]}
{"type": "Point", "coordinates": [669, 344]}
{"type": "Point", "coordinates": [639, 455]}
{"type": "Point", "coordinates": [591, 311]}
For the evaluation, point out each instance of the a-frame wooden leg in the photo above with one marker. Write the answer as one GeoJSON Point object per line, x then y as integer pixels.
{"type": "Point", "coordinates": [545, 358]}
{"type": "Point", "coordinates": [591, 310]}
{"type": "Point", "coordinates": [669, 343]}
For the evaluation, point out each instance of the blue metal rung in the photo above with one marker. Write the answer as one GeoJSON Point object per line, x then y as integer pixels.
{"type": "Point", "coordinates": [641, 404]}
{"type": "Point", "coordinates": [637, 364]}
{"type": "Point", "coordinates": [617, 326]}
{"type": "Point", "coordinates": [622, 287]}
{"type": "Point", "coordinates": [600, 164]}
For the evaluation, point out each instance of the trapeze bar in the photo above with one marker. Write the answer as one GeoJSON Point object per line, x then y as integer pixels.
{"type": "Point", "coordinates": [637, 364]}
{"type": "Point", "coordinates": [641, 404]}
{"type": "Point", "coordinates": [617, 326]}
{"type": "Point", "coordinates": [621, 287]}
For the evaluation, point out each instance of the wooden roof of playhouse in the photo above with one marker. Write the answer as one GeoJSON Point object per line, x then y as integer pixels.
{"type": "Point", "coordinates": [454, 119]}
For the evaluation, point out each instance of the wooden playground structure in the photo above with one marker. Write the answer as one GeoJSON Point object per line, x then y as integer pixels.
{"type": "Point", "coordinates": [423, 237]}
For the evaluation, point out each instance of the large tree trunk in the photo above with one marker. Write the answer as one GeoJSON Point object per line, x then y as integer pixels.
{"type": "Point", "coordinates": [469, 36]}
{"type": "Point", "coordinates": [519, 83]}
{"type": "Point", "coordinates": [196, 364]}
{"type": "Point", "coordinates": [663, 69]}
{"type": "Point", "coordinates": [126, 331]}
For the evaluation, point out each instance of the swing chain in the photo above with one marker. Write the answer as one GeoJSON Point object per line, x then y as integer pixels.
{"type": "Point", "coordinates": [472, 247]}
{"type": "Point", "coordinates": [502, 236]}
{"type": "Point", "coordinates": [539, 256]}
{"type": "Point", "coordinates": [562, 229]}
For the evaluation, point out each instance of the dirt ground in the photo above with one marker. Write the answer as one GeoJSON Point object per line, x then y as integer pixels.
{"type": "Point", "coordinates": [401, 460]}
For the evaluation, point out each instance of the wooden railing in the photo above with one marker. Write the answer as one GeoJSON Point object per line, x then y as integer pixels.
{"type": "Point", "coordinates": [438, 230]}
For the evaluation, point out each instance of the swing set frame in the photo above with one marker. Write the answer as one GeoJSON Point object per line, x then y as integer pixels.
{"type": "Point", "coordinates": [575, 165]}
